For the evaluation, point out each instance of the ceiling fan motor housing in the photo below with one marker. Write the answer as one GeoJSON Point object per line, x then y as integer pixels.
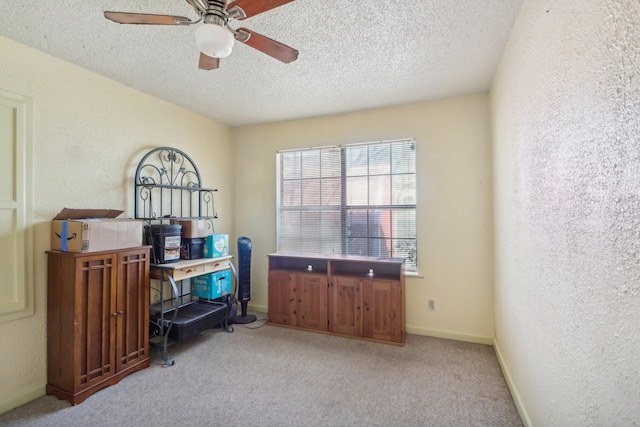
{"type": "Point", "coordinates": [216, 8]}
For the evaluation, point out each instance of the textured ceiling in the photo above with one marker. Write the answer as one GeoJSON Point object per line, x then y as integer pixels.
{"type": "Point", "coordinates": [354, 55]}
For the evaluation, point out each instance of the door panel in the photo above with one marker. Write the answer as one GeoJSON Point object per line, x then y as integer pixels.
{"type": "Point", "coordinates": [94, 320]}
{"type": "Point", "coordinates": [132, 318]}
{"type": "Point", "coordinates": [16, 207]}
{"type": "Point", "coordinates": [280, 298]}
{"type": "Point", "coordinates": [346, 306]}
{"type": "Point", "coordinates": [312, 301]}
{"type": "Point", "coordinates": [382, 310]}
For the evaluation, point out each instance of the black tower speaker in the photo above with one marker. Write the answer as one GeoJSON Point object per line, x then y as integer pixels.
{"type": "Point", "coordinates": [244, 280]}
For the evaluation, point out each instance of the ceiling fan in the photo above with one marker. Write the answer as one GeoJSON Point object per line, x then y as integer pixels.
{"type": "Point", "coordinates": [214, 36]}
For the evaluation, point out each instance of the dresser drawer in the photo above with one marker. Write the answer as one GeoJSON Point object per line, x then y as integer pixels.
{"type": "Point", "coordinates": [187, 269]}
{"type": "Point", "coordinates": [216, 266]}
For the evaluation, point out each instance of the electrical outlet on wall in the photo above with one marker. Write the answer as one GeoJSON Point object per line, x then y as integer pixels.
{"type": "Point", "coordinates": [431, 305]}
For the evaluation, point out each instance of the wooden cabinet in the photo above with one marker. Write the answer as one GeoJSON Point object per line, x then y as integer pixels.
{"type": "Point", "coordinates": [97, 320]}
{"type": "Point", "coordinates": [361, 297]}
{"type": "Point", "coordinates": [298, 299]}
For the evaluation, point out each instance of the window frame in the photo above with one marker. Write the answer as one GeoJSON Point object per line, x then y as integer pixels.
{"type": "Point", "coordinates": [292, 201]}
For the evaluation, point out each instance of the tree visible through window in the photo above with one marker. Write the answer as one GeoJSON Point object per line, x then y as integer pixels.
{"type": "Point", "coordinates": [357, 199]}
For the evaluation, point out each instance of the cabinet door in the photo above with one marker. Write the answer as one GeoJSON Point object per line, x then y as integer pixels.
{"type": "Point", "coordinates": [94, 319]}
{"type": "Point", "coordinates": [382, 317]}
{"type": "Point", "coordinates": [280, 296]}
{"type": "Point", "coordinates": [346, 305]}
{"type": "Point", "coordinates": [311, 295]}
{"type": "Point", "coordinates": [132, 308]}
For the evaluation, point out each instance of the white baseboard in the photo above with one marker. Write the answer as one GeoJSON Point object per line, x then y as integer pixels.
{"type": "Point", "coordinates": [477, 339]}
{"type": "Point", "coordinates": [26, 397]}
{"type": "Point", "coordinates": [512, 387]}
{"type": "Point", "coordinates": [255, 308]}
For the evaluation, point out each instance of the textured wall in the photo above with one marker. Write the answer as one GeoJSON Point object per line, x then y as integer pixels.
{"type": "Point", "coordinates": [566, 122]}
{"type": "Point", "coordinates": [455, 251]}
{"type": "Point", "coordinates": [89, 135]}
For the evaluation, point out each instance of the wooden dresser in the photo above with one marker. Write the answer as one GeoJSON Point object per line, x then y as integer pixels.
{"type": "Point", "coordinates": [351, 296]}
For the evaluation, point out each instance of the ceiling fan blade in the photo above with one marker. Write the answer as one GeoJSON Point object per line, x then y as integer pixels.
{"type": "Point", "coordinates": [255, 7]}
{"type": "Point", "coordinates": [208, 63]}
{"type": "Point", "coordinates": [145, 18]}
{"type": "Point", "coordinates": [266, 45]}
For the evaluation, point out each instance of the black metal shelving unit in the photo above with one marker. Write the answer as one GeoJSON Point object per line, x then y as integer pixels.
{"type": "Point", "coordinates": [168, 186]}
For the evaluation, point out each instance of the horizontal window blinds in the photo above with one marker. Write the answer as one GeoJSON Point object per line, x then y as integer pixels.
{"type": "Point", "coordinates": [357, 199]}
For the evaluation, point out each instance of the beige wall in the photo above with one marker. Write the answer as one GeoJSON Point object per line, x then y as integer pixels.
{"type": "Point", "coordinates": [565, 108]}
{"type": "Point", "coordinates": [89, 134]}
{"type": "Point", "coordinates": [454, 203]}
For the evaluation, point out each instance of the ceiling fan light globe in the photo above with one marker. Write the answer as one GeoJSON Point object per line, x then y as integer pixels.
{"type": "Point", "coordinates": [214, 40]}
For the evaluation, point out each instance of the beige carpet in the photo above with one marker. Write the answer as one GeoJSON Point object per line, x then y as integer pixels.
{"type": "Point", "coordinates": [271, 376]}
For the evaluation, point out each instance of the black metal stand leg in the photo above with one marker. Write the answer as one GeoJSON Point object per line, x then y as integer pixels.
{"type": "Point", "coordinates": [169, 361]}
{"type": "Point", "coordinates": [244, 318]}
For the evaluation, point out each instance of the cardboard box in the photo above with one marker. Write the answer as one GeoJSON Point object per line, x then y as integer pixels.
{"type": "Point", "coordinates": [216, 245]}
{"type": "Point", "coordinates": [94, 230]}
{"type": "Point", "coordinates": [212, 285]}
{"type": "Point", "coordinates": [193, 228]}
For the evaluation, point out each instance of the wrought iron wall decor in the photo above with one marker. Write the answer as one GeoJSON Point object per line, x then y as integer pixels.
{"type": "Point", "coordinates": [168, 184]}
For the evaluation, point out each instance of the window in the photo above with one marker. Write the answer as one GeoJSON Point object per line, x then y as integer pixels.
{"type": "Point", "coordinates": [357, 199]}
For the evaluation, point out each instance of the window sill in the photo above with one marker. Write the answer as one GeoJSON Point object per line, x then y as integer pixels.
{"type": "Point", "coordinates": [415, 274]}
